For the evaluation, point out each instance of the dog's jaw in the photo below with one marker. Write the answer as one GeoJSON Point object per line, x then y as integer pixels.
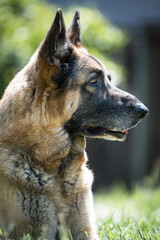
{"type": "Point", "coordinates": [101, 132]}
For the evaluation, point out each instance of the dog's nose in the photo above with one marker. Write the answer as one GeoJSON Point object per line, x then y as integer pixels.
{"type": "Point", "coordinates": [141, 111]}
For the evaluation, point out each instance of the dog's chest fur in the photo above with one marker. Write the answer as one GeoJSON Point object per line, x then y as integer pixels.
{"type": "Point", "coordinates": [60, 179]}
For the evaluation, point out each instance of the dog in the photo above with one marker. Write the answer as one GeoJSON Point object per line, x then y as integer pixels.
{"type": "Point", "coordinates": [62, 96]}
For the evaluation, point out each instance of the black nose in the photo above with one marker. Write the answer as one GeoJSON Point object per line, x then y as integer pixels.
{"type": "Point", "coordinates": [141, 111]}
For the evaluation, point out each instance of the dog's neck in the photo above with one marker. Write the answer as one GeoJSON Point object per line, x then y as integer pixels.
{"type": "Point", "coordinates": [57, 150]}
{"type": "Point", "coordinates": [53, 149]}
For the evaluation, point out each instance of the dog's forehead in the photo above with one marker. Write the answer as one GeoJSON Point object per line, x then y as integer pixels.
{"type": "Point", "coordinates": [89, 62]}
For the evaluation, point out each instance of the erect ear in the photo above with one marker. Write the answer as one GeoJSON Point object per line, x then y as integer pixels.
{"type": "Point", "coordinates": [55, 43]}
{"type": "Point", "coordinates": [73, 32]}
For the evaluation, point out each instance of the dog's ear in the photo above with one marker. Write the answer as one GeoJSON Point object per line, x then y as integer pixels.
{"type": "Point", "coordinates": [55, 43]}
{"type": "Point", "coordinates": [73, 32]}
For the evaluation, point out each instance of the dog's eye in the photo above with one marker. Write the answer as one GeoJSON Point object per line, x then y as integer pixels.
{"type": "Point", "coordinates": [93, 82]}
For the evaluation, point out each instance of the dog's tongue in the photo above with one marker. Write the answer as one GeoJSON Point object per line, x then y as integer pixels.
{"type": "Point", "coordinates": [126, 132]}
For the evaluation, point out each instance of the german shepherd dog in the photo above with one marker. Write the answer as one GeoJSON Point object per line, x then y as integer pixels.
{"type": "Point", "coordinates": [60, 97]}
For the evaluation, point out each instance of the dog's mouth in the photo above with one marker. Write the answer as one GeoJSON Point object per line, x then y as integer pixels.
{"type": "Point", "coordinates": [100, 132]}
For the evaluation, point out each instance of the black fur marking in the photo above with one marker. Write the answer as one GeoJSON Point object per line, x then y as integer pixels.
{"type": "Point", "coordinates": [62, 77]}
{"type": "Point", "coordinates": [33, 95]}
{"type": "Point", "coordinates": [61, 168]}
{"type": "Point", "coordinates": [30, 204]}
{"type": "Point", "coordinates": [71, 127]}
{"type": "Point", "coordinates": [37, 210]}
{"type": "Point", "coordinates": [38, 177]}
{"type": "Point", "coordinates": [25, 172]}
{"type": "Point", "coordinates": [23, 201]}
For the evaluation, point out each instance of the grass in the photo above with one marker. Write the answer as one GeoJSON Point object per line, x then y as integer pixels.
{"type": "Point", "coordinates": [127, 216]}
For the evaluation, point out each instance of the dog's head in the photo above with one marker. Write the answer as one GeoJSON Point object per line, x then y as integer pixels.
{"type": "Point", "coordinates": [76, 90]}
